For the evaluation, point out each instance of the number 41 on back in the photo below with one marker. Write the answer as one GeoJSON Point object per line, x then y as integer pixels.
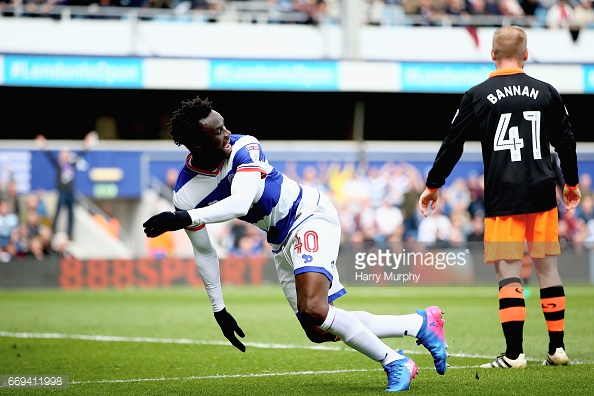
{"type": "Point", "coordinates": [515, 144]}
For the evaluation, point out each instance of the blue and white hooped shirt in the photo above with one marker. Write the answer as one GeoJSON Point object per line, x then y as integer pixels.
{"type": "Point", "coordinates": [274, 209]}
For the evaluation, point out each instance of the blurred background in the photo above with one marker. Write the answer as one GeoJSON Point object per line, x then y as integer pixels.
{"type": "Point", "coordinates": [352, 96]}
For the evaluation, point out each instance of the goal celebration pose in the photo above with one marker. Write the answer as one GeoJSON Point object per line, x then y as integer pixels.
{"type": "Point", "coordinates": [517, 118]}
{"type": "Point", "coordinates": [228, 176]}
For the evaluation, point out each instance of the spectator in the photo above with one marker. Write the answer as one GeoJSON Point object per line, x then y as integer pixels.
{"type": "Point", "coordinates": [388, 220]}
{"type": "Point", "coordinates": [477, 231]}
{"type": "Point", "coordinates": [510, 8]}
{"type": "Point", "coordinates": [530, 7]}
{"type": "Point", "coordinates": [434, 230]}
{"type": "Point", "coordinates": [398, 183]}
{"type": "Point", "coordinates": [65, 166]}
{"type": "Point", "coordinates": [586, 209]}
{"type": "Point", "coordinates": [457, 13]}
{"type": "Point", "coordinates": [356, 190]}
{"type": "Point", "coordinates": [378, 185]}
{"type": "Point", "coordinates": [458, 193]}
{"type": "Point", "coordinates": [492, 7]}
{"type": "Point", "coordinates": [477, 7]}
{"type": "Point", "coordinates": [560, 15]}
{"type": "Point", "coordinates": [34, 203]}
{"type": "Point", "coordinates": [9, 222]}
{"type": "Point", "coordinates": [312, 178]}
{"type": "Point", "coordinates": [9, 193]}
{"type": "Point", "coordinates": [431, 16]}
{"type": "Point", "coordinates": [36, 248]}
{"type": "Point", "coordinates": [583, 14]}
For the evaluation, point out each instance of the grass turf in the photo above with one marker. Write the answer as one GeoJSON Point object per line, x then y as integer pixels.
{"type": "Point", "coordinates": [184, 353]}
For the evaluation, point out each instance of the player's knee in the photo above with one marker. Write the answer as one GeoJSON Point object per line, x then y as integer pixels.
{"type": "Point", "coordinates": [317, 335]}
{"type": "Point", "coordinates": [313, 314]}
{"type": "Point", "coordinates": [317, 338]}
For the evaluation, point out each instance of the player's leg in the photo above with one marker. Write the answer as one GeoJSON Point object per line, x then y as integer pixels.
{"type": "Point", "coordinates": [391, 326]}
{"type": "Point", "coordinates": [315, 311]}
{"type": "Point", "coordinates": [425, 325]}
{"type": "Point", "coordinates": [552, 294]}
{"type": "Point", "coordinates": [552, 300]}
{"type": "Point", "coordinates": [311, 253]}
{"type": "Point", "coordinates": [504, 246]}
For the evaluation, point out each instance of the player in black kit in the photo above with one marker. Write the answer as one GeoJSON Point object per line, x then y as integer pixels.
{"type": "Point", "coordinates": [517, 118]}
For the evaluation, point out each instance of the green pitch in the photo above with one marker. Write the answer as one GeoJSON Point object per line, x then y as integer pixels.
{"type": "Point", "coordinates": [166, 342]}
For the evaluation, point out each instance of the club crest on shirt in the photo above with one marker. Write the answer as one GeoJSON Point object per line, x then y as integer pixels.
{"type": "Point", "coordinates": [298, 243]}
{"type": "Point", "coordinates": [254, 151]}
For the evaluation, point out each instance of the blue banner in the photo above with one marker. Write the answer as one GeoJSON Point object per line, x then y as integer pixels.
{"type": "Point", "coordinates": [75, 72]}
{"type": "Point", "coordinates": [274, 75]}
{"type": "Point", "coordinates": [589, 79]}
{"type": "Point", "coordinates": [443, 77]}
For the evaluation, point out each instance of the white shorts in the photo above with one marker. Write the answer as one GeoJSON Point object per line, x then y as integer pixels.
{"type": "Point", "coordinates": [311, 247]}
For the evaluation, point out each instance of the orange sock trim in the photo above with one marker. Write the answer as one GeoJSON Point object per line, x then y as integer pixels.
{"type": "Point", "coordinates": [512, 307]}
{"type": "Point", "coordinates": [512, 314]}
{"type": "Point", "coordinates": [556, 325]}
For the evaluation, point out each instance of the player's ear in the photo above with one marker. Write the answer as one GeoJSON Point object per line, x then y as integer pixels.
{"type": "Point", "coordinates": [526, 54]}
{"type": "Point", "coordinates": [493, 57]}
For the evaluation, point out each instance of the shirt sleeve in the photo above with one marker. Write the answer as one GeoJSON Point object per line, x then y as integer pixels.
{"type": "Point", "coordinates": [244, 189]}
{"type": "Point", "coordinates": [563, 140]}
{"type": "Point", "coordinates": [453, 145]}
{"type": "Point", "coordinates": [207, 263]}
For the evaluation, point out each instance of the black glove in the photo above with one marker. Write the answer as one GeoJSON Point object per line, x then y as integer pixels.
{"type": "Point", "coordinates": [230, 327]}
{"type": "Point", "coordinates": [166, 221]}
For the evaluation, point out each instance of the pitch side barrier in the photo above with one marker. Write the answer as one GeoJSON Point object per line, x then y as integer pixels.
{"type": "Point", "coordinates": [371, 266]}
{"type": "Point", "coordinates": [121, 173]}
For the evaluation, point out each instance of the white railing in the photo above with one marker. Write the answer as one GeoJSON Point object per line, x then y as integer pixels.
{"type": "Point", "coordinates": [260, 12]}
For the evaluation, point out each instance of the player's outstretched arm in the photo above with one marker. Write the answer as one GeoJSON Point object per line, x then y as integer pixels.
{"type": "Point", "coordinates": [207, 262]}
{"type": "Point", "coordinates": [166, 221]}
{"type": "Point", "coordinates": [428, 197]}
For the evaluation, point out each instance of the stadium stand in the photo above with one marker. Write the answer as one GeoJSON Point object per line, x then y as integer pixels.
{"type": "Point", "coordinates": [438, 13]}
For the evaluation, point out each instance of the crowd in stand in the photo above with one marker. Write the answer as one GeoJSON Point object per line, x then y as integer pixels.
{"type": "Point", "coordinates": [377, 206]}
{"type": "Point", "coordinates": [25, 227]}
{"type": "Point", "coordinates": [553, 14]}
{"type": "Point", "coordinates": [573, 14]}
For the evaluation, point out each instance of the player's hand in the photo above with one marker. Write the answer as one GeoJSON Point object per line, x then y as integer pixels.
{"type": "Point", "coordinates": [230, 327]}
{"type": "Point", "coordinates": [166, 221]}
{"type": "Point", "coordinates": [571, 197]}
{"type": "Point", "coordinates": [426, 198]}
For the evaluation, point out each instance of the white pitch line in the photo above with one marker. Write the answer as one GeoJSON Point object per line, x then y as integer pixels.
{"type": "Point", "coordinates": [184, 341]}
{"type": "Point", "coordinates": [187, 341]}
{"type": "Point", "coordinates": [252, 375]}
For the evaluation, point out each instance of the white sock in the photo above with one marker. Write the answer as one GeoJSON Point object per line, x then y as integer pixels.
{"type": "Point", "coordinates": [388, 326]}
{"type": "Point", "coordinates": [353, 333]}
